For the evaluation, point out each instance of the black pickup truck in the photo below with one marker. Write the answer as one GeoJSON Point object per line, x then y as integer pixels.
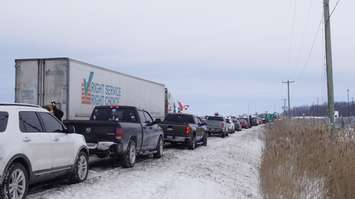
{"type": "Point", "coordinates": [184, 128]}
{"type": "Point", "coordinates": [122, 131]}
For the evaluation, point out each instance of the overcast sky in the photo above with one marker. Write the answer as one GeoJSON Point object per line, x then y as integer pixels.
{"type": "Point", "coordinates": [228, 56]}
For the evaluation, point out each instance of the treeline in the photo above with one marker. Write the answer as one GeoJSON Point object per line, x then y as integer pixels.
{"type": "Point", "coordinates": [343, 108]}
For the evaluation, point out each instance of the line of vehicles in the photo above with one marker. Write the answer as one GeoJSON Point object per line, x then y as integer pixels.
{"type": "Point", "coordinates": [36, 146]}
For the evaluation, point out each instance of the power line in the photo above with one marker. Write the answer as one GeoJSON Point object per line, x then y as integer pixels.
{"type": "Point", "coordinates": [311, 50]}
{"type": "Point", "coordinates": [315, 40]}
{"type": "Point", "coordinates": [293, 7]}
{"type": "Point", "coordinates": [335, 7]}
{"type": "Point", "coordinates": [306, 26]}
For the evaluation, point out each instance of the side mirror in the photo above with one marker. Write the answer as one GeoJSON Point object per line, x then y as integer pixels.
{"type": "Point", "coordinates": [157, 121]}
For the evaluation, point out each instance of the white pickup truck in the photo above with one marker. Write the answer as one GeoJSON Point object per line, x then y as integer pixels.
{"type": "Point", "coordinates": [217, 125]}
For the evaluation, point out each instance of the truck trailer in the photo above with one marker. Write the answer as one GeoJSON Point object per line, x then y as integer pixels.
{"type": "Point", "coordinates": [77, 87]}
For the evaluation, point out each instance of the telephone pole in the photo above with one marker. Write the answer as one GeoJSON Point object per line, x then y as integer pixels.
{"type": "Point", "coordinates": [348, 92]}
{"type": "Point", "coordinates": [329, 61]}
{"type": "Point", "coordinates": [288, 82]}
{"type": "Point", "coordinates": [284, 107]}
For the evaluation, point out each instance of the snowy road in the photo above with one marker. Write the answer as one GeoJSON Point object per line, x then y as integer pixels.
{"type": "Point", "coordinates": [226, 168]}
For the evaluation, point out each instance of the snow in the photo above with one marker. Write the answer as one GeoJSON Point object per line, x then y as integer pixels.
{"type": "Point", "coordinates": [226, 168]}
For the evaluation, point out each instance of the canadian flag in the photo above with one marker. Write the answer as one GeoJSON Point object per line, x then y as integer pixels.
{"type": "Point", "coordinates": [182, 107]}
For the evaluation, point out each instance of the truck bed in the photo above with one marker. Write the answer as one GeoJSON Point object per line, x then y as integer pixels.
{"type": "Point", "coordinates": [94, 131]}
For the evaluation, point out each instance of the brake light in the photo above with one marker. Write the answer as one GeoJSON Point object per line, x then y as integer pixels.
{"type": "Point", "coordinates": [115, 106]}
{"type": "Point", "coordinates": [222, 125]}
{"type": "Point", "coordinates": [119, 134]}
{"type": "Point", "coordinates": [188, 130]}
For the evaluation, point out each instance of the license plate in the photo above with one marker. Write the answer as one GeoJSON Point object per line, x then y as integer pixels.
{"type": "Point", "coordinates": [169, 129]}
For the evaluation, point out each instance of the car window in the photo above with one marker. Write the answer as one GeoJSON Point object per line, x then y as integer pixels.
{"type": "Point", "coordinates": [179, 119]}
{"type": "Point", "coordinates": [215, 118]}
{"type": "Point", "coordinates": [148, 118]}
{"type": "Point", "coordinates": [115, 114]}
{"type": "Point", "coordinates": [141, 116]}
{"type": "Point", "coordinates": [3, 121]}
{"type": "Point", "coordinates": [29, 122]}
{"type": "Point", "coordinates": [51, 124]}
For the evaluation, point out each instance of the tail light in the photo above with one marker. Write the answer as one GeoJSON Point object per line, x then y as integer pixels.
{"type": "Point", "coordinates": [188, 130]}
{"type": "Point", "coordinates": [222, 125]}
{"type": "Point", "coordinates": [119, 134]}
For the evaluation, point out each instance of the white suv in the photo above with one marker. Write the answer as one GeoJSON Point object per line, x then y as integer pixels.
{"type": "Point", "coordinates": [35, 146]}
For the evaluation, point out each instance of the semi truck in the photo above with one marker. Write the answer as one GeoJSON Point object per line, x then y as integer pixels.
{"type": "Point", "coordinates": [77, 87]}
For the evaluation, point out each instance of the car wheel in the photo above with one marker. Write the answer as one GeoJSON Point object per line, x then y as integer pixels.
{"type": "Point", "coordinates": [129, 159]}
{"type": "Point", "coordinates": [160, 148]}
{"type": "Point", "coordinates": [15, 185]}
{"type": "Point", "coordinates": [223, 135]}
{"type": "Point", "coordinates": [192, 143]}
{"type": "Point", "coordinates": [204, 139]}
{"type": "Point", "coordinates": [81, 168]}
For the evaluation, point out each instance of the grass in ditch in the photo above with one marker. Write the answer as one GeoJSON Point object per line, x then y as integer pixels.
{"type": "Point", "coordinates": [302, 160]}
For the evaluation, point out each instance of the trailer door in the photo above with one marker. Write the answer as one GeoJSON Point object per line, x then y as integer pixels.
{"type": "Point", "coordinates": [26, 90]}
{"type": "Point", "coordinates": [55, 85]}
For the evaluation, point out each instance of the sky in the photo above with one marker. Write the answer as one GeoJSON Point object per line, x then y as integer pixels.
{"type": "Point", "coordinates": [226, 56]}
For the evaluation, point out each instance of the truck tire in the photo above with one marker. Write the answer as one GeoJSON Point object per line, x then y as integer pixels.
{"type": "Point", "coordinates": [223, 135]}
{"type": "Point", "coordinates": [17, 177]}
{"type": "Point", "coordinates": [192, 143]}
{"type": "Point", "coordinates": [160, 148]}
{"type": "Point", "coordinates": [129, 159]}
{"type": "Point", "coordinates": [204, 139]}
{"type": "Point", "coordinates": [81, 168]}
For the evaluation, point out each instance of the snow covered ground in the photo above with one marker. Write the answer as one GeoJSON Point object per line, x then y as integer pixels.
{"type": "Point", "coordinates": [226, 168]}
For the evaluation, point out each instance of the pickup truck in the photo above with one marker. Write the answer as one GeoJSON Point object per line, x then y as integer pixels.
{"type": "Point", "coordinates": [217, 125]}
{"type": "Point", "coordinates": [184, 128]}
{"type": "Point", "coordinates": [120, 131]}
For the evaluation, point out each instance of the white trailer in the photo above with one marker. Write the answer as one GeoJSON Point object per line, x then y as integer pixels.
{"type": "Point", "coordinates": [77, 87]}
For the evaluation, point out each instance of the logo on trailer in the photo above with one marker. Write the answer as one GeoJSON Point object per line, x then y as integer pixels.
{"type": "Point", "coordinates": [86, 93]}
{"type": "Point", "coordinates": [97, 94]}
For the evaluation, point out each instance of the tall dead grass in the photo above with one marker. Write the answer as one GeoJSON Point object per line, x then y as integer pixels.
{"type": "Point", "coordinates": [302, 160]}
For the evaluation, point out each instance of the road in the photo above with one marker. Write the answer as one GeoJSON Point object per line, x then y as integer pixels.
{"type": "Point", "coordinates": [226, 168]}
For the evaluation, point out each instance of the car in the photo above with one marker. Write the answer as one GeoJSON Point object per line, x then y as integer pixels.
{"type": "Point", "coordinates": [184, 128]}
{"type": "Point", "coordinates": [34, 147]}
{"type": "Point", "coordinates": [121, 132]}
{"type": "Point", "coordinates": [230, 125]}
{"type": "Point", "coordinates": [244, 123]}
{"type": "Point", "coordinates": [255, 121]}
{"type": "Point", "coordinates": [237, 124]}
{"type": "Point", "coordinates": [217, 125]}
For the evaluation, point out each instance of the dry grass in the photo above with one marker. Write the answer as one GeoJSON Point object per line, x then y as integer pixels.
{"type": "Point", "coordinates": [302, 160]}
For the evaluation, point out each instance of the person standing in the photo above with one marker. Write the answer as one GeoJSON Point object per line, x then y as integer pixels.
{"type": "Point", "coordinates": [56, 111]}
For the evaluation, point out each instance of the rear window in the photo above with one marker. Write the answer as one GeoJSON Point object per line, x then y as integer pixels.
{"type": "Point", "coordinates": [215, 118]}
{"type": "Point", "coordinates": [179, 119]}
{"type": "Point", "coordinates": [3, 121]}
{"type": "Point", "coordinates": [115, 114]}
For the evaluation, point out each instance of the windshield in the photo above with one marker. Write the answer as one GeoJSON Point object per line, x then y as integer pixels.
{"type": "Point", "coordinates": [179, 119]}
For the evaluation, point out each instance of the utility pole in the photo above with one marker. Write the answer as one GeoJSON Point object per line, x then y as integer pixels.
{"type": "Point", "coordinates": [348, 91]}
{"type": "Point", "coordinates": [317, 110]}
{"type": "Point", "coordinates": [284, 108]}
{"type": "Point", "coordinates": [329, 61]}
{"type": "Point", "coordinates": [288, 82]}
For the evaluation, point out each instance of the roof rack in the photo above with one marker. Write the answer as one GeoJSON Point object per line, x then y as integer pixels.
{"type": "Point", "coordinates": [18, 104]}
